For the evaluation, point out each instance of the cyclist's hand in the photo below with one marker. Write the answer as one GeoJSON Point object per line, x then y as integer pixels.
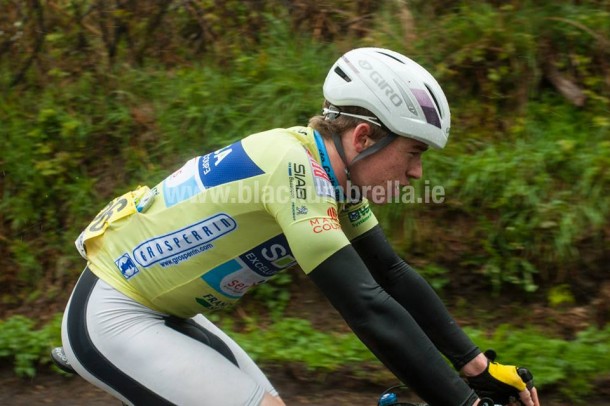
{"type": "Point", "coordinates": [505, 383]}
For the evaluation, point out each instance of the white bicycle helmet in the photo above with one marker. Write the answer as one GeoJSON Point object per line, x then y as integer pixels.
{"type": "Point", "coordinates": [398, 91]}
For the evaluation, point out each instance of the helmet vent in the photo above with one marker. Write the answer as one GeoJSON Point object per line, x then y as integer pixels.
{"type": "Point", "coordinates": [438, 107]}
{"type": "Point", "coordinates": [343, 75]}
{"type": "Point", "coordinates": [391, 56]}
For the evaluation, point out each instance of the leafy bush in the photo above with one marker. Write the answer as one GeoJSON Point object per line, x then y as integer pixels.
{"type": "Point", "coordinates": [103, 110]}
{"type": "Point", "coordinates": [573, 366]}
{"type": "Point", "coordinates": [294, 340]}
{"type": "Point", "coordinates": [506, 53]}
{"type": "Point", "coordinates": [531, 203]}
{"type": "Point", "coordinates": [26, 347]}
{"type": "Point", "coordinates": [69, 38]}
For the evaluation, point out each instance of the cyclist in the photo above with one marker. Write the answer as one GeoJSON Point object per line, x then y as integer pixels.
{"type": "Point", "coordinates": [231, 219]}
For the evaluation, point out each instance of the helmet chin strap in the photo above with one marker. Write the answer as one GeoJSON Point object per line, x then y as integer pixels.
{"type": "Point", "coordinates": [332, 112]}
{"type": "Point", "coordinates": [369, 151]}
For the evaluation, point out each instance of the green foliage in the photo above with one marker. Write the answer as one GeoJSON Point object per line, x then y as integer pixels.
{"type": "Point", "coordinates": [72, 38]}
{"type": "Point", "coordinates": [205, 108]}
{"type": "Point", "coordinates": [59, 163]}
{"type": "Point", "coordinates": [533, 200]}
{"type": "Point", "coordinates": [291, 340]}
{"type": "Point", "coordinates": [69, 151]}
{"type": "Point", "coordinates": [560, 295]}
{"type": "Point", "coordinates": [99, 97]}
{"type": "Point", "coordinates": [573, 365]}
{"type": "Point", "coordinates": [504, 52]}
{"type": "Point", "coordinates": [26, 346]}
{"type": "Point", "coordinates": [436, 275]}
{"type": "Point", "coordinates": [275, 294]}
{"type": "Point", "coordinates": [113, 101]}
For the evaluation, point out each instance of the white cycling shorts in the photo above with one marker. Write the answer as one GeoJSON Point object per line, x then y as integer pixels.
{"type": "Point", "coordinates": [128, 350]}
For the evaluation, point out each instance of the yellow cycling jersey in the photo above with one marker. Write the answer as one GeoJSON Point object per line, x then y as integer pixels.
{"type": "Point", "coordinates": [223, 223]}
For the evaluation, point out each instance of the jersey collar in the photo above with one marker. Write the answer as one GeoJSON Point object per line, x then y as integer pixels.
{"type": "Point", "coordinates": [325, 161]}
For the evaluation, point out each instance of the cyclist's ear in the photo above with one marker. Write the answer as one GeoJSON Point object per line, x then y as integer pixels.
{"type": "Point", "coordinates": [361, 137]}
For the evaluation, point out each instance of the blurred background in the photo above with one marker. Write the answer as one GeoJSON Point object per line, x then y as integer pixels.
{"type": "Point", "coordinates": [97, 97]}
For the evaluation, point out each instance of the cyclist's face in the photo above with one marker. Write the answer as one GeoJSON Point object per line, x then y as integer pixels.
{"type": "Point", "coordinates": [384, 173]}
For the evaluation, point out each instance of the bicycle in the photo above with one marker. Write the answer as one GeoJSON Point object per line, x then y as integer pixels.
{"type": "Point", "coordinates": [389, 397]}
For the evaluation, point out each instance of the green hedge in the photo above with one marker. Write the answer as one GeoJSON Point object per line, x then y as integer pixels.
{"type": "Point", "coordinates": [524, 173]}
{"type": "Point", "coordinates": [572, 366]}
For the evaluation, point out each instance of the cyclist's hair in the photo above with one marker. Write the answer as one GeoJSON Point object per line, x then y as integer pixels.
{"type": "Point", "coordinates": [343, 123]}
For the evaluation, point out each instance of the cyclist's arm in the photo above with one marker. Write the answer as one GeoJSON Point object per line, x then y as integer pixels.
{"type": "Point", "coordinates": [412, 291]}
{"type": "Point", "coordinates": [310, 223]}
{"type": "Point", "coordinates": [388, 330]}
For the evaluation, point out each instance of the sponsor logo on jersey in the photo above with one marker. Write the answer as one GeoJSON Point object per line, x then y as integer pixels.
{"type": "Point", "coordinates": [270, 257]}
{"type": "Point", "coordinates": [321, 180]}
{"type": "Point", "coordinates": [226, 165]}
{"type": "Point", "coordinates": [301, 210]}
{"type": "Point", "coordinates": [211, 302]}
{"type": "Point", "coordinates": [126, 265]}
{"type": "Point", "coordinates": [300, 180]}
{"type": "Point", "coordinates": [359, 215]}
{"type": "Point", "coordinates": [296, 177]}
{"type": "Point", "coordinates": [185, 242]}
{"type": "Point", "coordinates": [182, 184]}
{"type": "Point", "coordinates": [323, 224]}
{"type": "Point", "coordinates": [233, 278]}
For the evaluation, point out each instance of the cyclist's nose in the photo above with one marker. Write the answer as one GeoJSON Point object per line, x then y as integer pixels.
{"type": "Point", "coordinates": [415, 169]}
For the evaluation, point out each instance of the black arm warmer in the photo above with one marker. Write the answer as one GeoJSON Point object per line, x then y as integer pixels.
{"type": "Point", "coordinates": [416, 296]}
{"type": "Point", "coordinates": [388, 330]}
